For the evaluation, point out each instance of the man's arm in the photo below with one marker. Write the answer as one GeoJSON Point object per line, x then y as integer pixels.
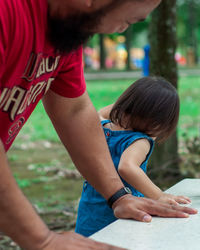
{"type": "Point", "coordinates": [19, 220]}
{"type": "Point", "coordinates": [78, 126]}
{"type": "Point", "coordinates": [17, 217]}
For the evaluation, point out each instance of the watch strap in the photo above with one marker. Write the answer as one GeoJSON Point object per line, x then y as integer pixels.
{"type": "Point", "coordinates": [123, 191]}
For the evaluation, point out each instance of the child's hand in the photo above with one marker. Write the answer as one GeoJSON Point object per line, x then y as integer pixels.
{"type": "Point", "coordinates": [173, 199]}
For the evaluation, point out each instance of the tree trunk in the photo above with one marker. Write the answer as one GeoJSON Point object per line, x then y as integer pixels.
{"type": "Point", "coordinates": [128, 47]}
{"type": "Point", "coordinates": [162, 37]}
{"type": "Point", "coordinates": [102, 51]}
{"type": "Point", "coordinates": [192, 26]}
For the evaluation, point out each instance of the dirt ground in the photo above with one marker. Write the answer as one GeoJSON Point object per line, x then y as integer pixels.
{"type": "Point", "coordinates": [48, 178]}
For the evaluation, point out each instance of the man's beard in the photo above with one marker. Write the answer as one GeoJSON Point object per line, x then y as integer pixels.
{"type": "Point", "coordinates": [67, 34]}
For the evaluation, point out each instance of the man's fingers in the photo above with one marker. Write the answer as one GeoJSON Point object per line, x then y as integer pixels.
{"type": "Point", "coordinates": [70, 240]}
{"type": "Point", "coordinates": [173, 202]}
{"type": "Point", "coordinates": [141, 209]}
{"type": "Point", "coordinates": [167, 210]}
{"type": "Point", "coordinates": [133, 214]}
{"type": "Point", "coordinates": [147, 218]}
{"type": "Point", "coordinates": [176, 211]}
{"type": "Point", "coordinates": [130, 210]}
{"type": "Point", "coordinates": [189, 210]}
{"type": "Point", "coordinates": [141, 216]}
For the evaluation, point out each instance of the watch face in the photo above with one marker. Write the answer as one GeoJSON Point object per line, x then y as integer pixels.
{"type": "Point", "coordinates": [128, 190]}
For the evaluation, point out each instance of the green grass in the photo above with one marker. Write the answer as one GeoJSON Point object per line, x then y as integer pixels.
{"type": "Point", "coordinates": [189, 91]}
{"type": "Point", "coordinates": [104, 92]}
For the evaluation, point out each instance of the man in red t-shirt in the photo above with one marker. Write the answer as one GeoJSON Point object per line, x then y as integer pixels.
{"type": "Point", "coordinates": [41, 58]}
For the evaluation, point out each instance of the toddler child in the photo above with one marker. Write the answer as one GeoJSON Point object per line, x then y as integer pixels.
{"type": "Point", "coordinates": [146, 112]}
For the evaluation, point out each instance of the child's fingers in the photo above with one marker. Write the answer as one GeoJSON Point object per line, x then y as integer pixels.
{"type": "Point", "coordinates": [186, 198]}
{"type": "Point", "coordinates": [183, 199]}
{"type": "Point", "coordinates": [172, 202]}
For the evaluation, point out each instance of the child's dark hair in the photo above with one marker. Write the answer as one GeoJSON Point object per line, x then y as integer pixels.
{"type": "Point", "coordinates": [150, 105]}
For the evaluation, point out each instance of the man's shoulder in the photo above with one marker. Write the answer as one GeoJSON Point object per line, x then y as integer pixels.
{"type": "Point", "coordinates": [23, 13]}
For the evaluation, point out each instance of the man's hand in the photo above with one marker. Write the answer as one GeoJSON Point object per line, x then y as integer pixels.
{"type": "Point", "coordinates": [141, 209]}
{"type": "Point", "coordinates": [73, 241]}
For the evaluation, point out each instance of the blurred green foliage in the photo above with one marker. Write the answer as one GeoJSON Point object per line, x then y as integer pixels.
{"type": "Point", "coordinates": [105, 92]}
{"type": "Point", "coordinates": [188, 32]}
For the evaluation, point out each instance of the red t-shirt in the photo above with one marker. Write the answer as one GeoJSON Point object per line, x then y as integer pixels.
{"type": "Point", "coordinates": [29, 66]}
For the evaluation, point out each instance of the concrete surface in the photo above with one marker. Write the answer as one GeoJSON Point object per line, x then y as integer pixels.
{"type": "Point", "coordinates": [161, 233]}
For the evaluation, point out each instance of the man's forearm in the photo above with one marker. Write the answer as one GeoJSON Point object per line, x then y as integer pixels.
{"type": "Point", "coordinates": [80, 131]}
{"type": "Point", "coordinates": [95, 164]}
{"type": "Point", "coordinates": [18, 219]}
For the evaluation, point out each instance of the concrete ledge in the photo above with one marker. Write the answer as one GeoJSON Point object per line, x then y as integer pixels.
{"type": "Point", "coordinates": [161, 233]}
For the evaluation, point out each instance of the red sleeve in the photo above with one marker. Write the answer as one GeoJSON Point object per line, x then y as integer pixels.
{"type": "Point", "coordinates": [3, 28]}
{"type": "Point", "coordinates": [1, 54]}
{"type": "Point", "coordinates": [70, 81]}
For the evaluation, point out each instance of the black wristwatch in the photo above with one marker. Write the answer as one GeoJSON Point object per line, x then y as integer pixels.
{"type": "Point", "coordinates": [123, 191]}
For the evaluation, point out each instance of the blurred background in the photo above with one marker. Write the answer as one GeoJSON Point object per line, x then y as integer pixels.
{"type": "Point", "coordinates": [126, 51]}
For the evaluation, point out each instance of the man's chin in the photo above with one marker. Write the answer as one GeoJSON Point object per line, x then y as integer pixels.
{"type": "Point", "coordinates": [69, 34]}
{"type": "Point", "coordinates": [66, 43]}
